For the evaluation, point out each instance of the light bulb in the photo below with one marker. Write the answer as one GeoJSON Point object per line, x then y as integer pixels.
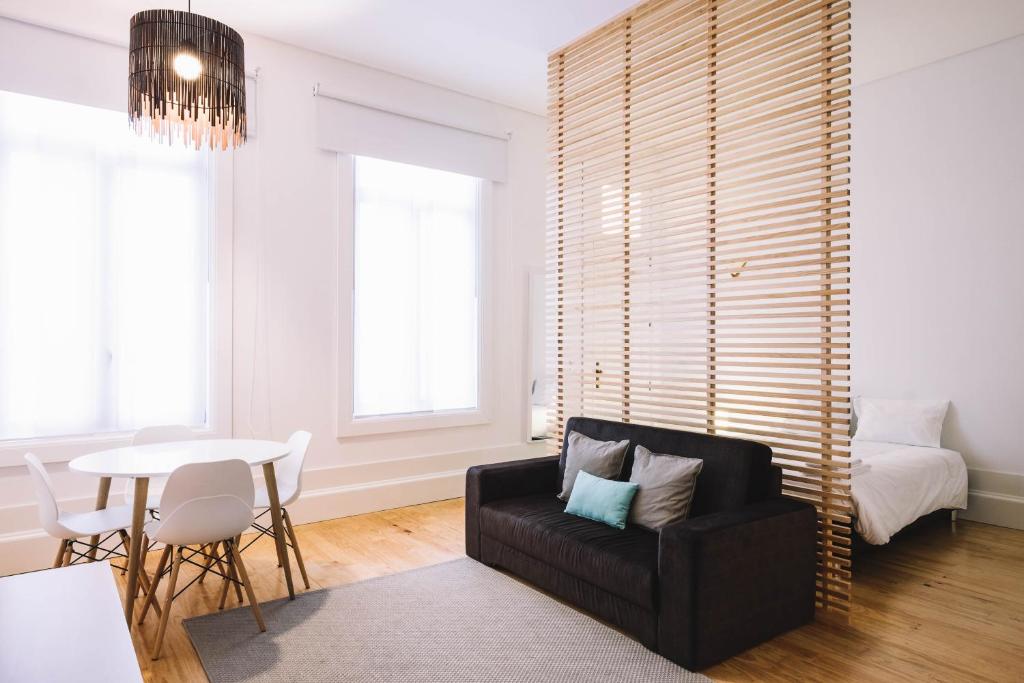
{"type": "Point", "coordinates": [187, 65]}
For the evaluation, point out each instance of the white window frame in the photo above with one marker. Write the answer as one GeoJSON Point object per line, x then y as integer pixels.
{"type": "Point", "coordinates": [59, 449]}
{"type": "Point", "coordinates": [348, 424]}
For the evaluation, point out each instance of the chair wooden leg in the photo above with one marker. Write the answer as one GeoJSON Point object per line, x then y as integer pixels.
{"type": "Point", "coordinates": [59, 561]}
{"type": "Point", "coordinates": [143, 580]}
{"type": "Point", "coordinates": [229, 572]}
{"type": "Point", "coordinates": [175, 566]}
{"type": "Point", "coordinates": [238, 589]}
{"type": "Point", "coordinates": [151, 598]}
{"type": "Point", "coordinates": [234, 579]}
{"type": "Point", "coordinates": [232, 574]}
{"type": "Point", "coordinates": [221, 566]}
{"type": "Point", "coordinates": [224, 565]}
{"type": "Point", "coordinates": [68, 549]}
{"type": "Point", "coordinates": [126, 542]}
{"type": "Point", "coordinates": [211, 550]}
{"type": "Point", "coordinates": [295, 547]}
{"type": "Point", "coordinates": [143, 574]}
{"type": "Point", "coordinates": [255, 606]}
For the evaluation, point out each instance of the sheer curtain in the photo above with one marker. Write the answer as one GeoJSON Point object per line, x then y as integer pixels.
{"type": "Point", "coordinates": [416, 304]}
{"type": "Point", "coordinates": [104, 277]}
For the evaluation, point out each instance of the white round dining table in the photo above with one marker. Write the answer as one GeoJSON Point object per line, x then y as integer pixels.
{"type": "Point", "coordinates": [160, 460]}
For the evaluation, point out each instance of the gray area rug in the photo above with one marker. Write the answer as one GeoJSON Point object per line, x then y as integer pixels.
{"type": "Point", "coordinates": [457, 621]}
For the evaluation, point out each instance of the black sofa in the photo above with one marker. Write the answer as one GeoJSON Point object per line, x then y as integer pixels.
{"type": "Point", "coordinates": [739, 571]}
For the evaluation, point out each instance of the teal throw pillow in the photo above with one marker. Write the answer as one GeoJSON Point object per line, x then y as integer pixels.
{"type": "Point", "coordinates": [601, 500]}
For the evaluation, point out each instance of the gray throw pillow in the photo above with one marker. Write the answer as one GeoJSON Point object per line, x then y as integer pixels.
{"type": "Point", "coordinates": [667, 484]}
{"type": "Point", "coordinates": [599, 458]}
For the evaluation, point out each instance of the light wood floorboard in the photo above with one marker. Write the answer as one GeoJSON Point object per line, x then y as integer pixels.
{"type": "Point", "coordinates": [938, 606]}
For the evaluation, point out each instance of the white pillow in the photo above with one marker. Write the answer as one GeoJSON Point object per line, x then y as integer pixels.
{"type": "Point", "coordinates": [915, 423]}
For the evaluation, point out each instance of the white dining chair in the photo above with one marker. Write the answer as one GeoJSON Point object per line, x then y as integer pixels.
{"type": "Point", "coordinates": [289, 487]}
{"type": "Point", "coordinates": [69, 527]}
{"type": "Point", "coordinates": [204, 505]}
{"type": "Point", "coordinates": [148, 435]}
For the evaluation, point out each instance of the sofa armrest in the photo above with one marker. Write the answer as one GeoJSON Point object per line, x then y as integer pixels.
{"type": "Point", "coordinates": [731, 580]}
{"type": "Point", "coordinates": [487, 483]}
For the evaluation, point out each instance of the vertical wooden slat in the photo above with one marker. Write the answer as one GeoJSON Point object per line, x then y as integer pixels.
{"type": "Point", "coordinates": [712, 179]}
{"type": "Point", "coordinates": [699, 236]}
{"type": "Point", "coordinates": [559, 338]}
{"type": "Point", "coordinates": [830, 529]}
{"type": "Point", "coordinates": [626, 222]}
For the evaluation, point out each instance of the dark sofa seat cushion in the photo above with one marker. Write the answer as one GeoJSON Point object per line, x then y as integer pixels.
{"type": "Point", "coordinates": [621, 561]}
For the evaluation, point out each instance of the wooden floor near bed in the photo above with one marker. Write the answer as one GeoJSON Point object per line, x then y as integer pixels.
{"type": "Point", "coordinates": [937, 605]}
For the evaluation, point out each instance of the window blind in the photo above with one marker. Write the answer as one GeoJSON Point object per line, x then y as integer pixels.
{"type": "Point", "coordinates": [105, 304]}
{"type": "Point", "coordinates": [698, 236]}
{"type": "Point", "coordinates": [415, 291]}
{"type": "Point", "coordinates": [365, 130]}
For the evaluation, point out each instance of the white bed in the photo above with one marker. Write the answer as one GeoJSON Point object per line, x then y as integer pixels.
{"type": "Point", "coordinates": [898, 484]}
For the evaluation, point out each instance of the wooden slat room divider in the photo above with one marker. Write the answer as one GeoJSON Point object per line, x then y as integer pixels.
{"type": "Point", "coordinates": [698, 235]}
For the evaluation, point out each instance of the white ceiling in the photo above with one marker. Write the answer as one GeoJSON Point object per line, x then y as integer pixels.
{"type": "Point", "coordinates": [493, 49]}
{"type": "Point", "coordinates": [497, 49]}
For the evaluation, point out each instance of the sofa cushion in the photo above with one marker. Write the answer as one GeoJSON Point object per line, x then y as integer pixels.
{"type": "Point", "coordinates": [623, 562]}
{"type": "Point", "coordinates": [602, 500]}
{"type": "Point", "coordinates": [735, 471]}
{"type": "Point", "coordinates": [666, 486]}
{"type": "Point", "coordinates": [599, 458]}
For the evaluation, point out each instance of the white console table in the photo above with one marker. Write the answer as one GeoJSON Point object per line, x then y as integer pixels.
{"type": "Point", "coordinates": [65, 625]}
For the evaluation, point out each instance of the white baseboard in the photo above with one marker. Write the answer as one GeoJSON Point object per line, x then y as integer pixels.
{"type": "Point", "coordinates": [328, 493]}
{"type": "Point", "coordinates": [357, 499]}
{"type": "Point", "coordinates": [25, 551]}
{"type": "Point", "coordinates": [994, 508]}
{"type": "Point", "coordinates": [995, 498]}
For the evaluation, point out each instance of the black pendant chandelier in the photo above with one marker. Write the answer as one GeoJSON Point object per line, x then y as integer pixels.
{"type": "Point", "coordinates": [186, 79]}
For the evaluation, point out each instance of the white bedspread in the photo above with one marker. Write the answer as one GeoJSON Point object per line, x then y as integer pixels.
{"type": "Point", "coordinates": [902, 484]}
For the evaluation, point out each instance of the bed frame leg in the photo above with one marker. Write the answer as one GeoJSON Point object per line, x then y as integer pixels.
{"type": "Point", "coordinates": [952, 516]}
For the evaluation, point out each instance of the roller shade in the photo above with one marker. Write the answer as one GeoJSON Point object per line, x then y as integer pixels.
{"type": "Point", "coordinates": [363, 130]}
{"type": "Point", "coordinates": [95, 77]}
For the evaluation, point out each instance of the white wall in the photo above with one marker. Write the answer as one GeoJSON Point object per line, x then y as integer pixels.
{"type": "Point", "coordinates": [938, 256]}
{"type": "Point", "coordinates": [891, 36]}
{"type": "Point", "coordinates": [285, 290]}
{"type": "Point", "coordinates": [286, 204]}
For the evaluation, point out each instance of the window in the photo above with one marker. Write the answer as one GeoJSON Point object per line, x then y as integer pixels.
{"type": "Point", "coordinates": [104, 276]}
{"type": "Point", "coordinates": [416, 304]}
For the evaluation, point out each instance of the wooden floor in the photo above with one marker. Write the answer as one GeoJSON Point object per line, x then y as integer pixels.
{"type": "Point", "coordinates": [939, 605]}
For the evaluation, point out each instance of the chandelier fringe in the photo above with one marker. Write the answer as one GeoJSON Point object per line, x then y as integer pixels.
{"type": "Point", "coordinates": [206, 112]}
